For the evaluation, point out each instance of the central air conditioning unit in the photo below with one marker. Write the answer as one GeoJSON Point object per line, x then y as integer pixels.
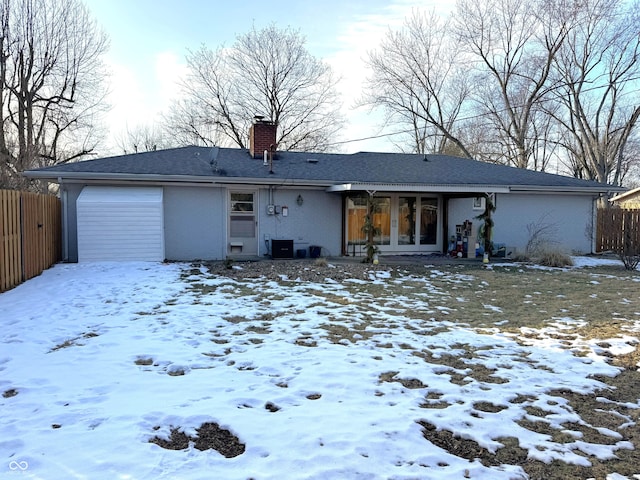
{"type": "Point", "coordinates": [281, 248]}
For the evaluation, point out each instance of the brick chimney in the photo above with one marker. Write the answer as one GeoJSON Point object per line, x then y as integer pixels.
{"type": "Point", "coordinates": [262, 136]}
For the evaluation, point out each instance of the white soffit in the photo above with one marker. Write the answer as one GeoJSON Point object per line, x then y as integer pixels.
{"type": "Point", "coordinates": [403, 187]}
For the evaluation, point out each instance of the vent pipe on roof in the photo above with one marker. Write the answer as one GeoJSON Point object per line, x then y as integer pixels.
{"type": "Point", "coordinates": [272, 149]}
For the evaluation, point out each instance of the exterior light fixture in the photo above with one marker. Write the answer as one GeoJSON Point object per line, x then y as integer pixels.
{"type": "Point", "coordinates": [300, 200]}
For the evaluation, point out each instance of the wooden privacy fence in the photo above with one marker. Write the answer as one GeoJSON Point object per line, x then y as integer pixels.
{"type": "Point", "coordinates": [617, 229]}
{"type": "Point", "coordinates": [29, 235]}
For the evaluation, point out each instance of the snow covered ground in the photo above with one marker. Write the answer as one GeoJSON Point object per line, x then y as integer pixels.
{"type": "Point", "coordinates": [95, 360]}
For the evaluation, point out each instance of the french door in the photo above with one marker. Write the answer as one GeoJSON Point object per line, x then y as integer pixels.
{"type": "Point", "coordinates": [403, 223]}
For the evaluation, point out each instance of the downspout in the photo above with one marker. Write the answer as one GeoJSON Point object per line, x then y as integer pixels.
{"type": "Point", "coordinates": [445, 224]}
{"type": "Point", "coordinates": [594, 223]}
{"type": "Point", "coordinates": [343, 229]}
{"type": "Point", "coordinates": [267, 245]}
{"type": "Point", "coordinates": [65, 222]}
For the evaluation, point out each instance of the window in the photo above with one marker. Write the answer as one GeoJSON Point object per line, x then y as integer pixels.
{"type": "Point", "coordinates": [428, 221]}
{"type": "Point", "coordinates": [242, 220]}
{"type": "Point", "coordinates": [381, 217]}
{"type": "Point", "coordinates": [242, 202]}
{"type": "Point", "coordinates": [406, 220]}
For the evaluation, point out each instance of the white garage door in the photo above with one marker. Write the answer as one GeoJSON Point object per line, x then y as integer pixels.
{"type": "Point", "coordinates": [120, 223]}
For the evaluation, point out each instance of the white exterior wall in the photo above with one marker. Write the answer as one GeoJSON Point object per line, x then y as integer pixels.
{"type": "Point", "coordinates": [318, 221]}
{"type": "Point", "coordinates": [195, 219]}
{"type": "Point", "coordinates": [120, 224]}
{"type": "Point", "coordinates": [570, 218]}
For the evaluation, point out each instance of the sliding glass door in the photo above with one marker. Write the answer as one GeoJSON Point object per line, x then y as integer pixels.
{"type": "Point", "coordinates": [403, 223]}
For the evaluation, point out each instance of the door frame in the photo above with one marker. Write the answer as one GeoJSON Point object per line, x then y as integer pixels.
{"type": "Point", "coordinates": [242, 246]}
{"type": "Point", "coordinates": [394, 222]}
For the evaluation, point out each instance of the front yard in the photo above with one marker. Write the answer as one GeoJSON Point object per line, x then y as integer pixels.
{"type": "Point", "coordinates": [149, 371]}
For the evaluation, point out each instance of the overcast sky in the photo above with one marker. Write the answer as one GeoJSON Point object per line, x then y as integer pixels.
{"type": "Point", "coordinates": [149, 40]}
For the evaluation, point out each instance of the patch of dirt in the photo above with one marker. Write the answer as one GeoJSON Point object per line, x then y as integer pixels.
{"type": "Point", "coordinates": [612, 409]}
{"type": "Point", "coordinates": [488, 407]}
{"type": "Point", "coordinates": [338, 333]}
{"type": "Point", "coordinates": [306, 341]}
{"type": "Point", "coordinates": [209, 436]}
{"type": "Point", "coordinates": [510, 454]}
{"type": "Point", "coordinates": [432, 400]}
{"type": "Point", "coordinates": [410, 383]}
{"type": "Point", "coordinates": [73, 342]}
{"type": "Point", "coordinates": [12, 392]}
{"type": "Point", "coordinates": [629, 361]}
{"type": "Point", "coordinates": [296, 270]}
{"type": "Point", "coordinates": [272, 407]}
{"type": "Point", "coordinates": [144, 361]}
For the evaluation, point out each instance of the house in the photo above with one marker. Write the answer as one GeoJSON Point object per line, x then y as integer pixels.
{"type": "Point", "coordinates": [213, 203]}
{"type": "Point", "coordinates": [628, 200]}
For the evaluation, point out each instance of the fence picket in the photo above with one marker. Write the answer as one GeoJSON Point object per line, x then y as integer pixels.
{"type": "Point", "coordinates": [30, 235]}
{"type": "Point", "coordinates": [615, 226]}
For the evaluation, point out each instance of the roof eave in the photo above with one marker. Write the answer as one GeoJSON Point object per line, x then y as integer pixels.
{"type": "Point", "coordinates": [595, 190]}
{"type": "Point", "coordinates": [626, 194]}
{"type": "Point", "coordinates": [78, 177]}
{"type": "Point", "coordinates": [331, 186]}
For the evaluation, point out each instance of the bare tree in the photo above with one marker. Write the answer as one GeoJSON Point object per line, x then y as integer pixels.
{"type": "Point", "coordinates": [599, 68]}
{"type": "Point", "coordinates": [51, 77]}
{"type": "Point", "coordinates": [417, 80]}
{"type": "Point", "coordinates": [143, 138]}
{"type": "Point", "coordinates": [530, 83]}
{"type": "Point", "coordinates": [630, 168]}
{"type": "Point", "coordinates": [265, 72]}
{"type": "Point", "coordinates": [512, 44]}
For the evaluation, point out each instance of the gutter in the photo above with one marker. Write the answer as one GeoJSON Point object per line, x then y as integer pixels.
{"type": "Point", "coordinates": [471, 188]}
{"type": "Point", "coordinates": [604, 188]}
{"type": "Point", "coordinates": [84, 177]}
{"type": "Point", "coordinates": [331, 186]}
{"type": "Point", "coordinates": [65, 221]}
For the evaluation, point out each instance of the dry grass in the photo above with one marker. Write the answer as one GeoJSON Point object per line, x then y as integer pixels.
{"type": "Point", "coordinates": [555, 258]}
{"type": "Point", "coordinates": [522, 297]}
{"type": "Point", "coordinates": [579, 308]}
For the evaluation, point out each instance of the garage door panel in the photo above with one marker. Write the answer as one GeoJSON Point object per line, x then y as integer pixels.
{"type": "Point", "coordinates": [120, 223]}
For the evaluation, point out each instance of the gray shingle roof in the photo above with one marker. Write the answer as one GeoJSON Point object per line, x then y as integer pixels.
{"type": "Point", "coordinates": [231, 164]}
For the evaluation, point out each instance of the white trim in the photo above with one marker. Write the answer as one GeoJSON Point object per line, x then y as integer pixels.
{"type": "Point", "coordinates": [394, 247]}
{"type": "Point", "coordinates": [624, 195]}
{"type": "Point", "coordinates": [416, 188]}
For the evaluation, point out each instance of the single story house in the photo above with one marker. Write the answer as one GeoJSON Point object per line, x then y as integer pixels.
{"type": "Point", "coordinates": [629, 200]}
{"type": "Point", "coordinates": [213, 203]}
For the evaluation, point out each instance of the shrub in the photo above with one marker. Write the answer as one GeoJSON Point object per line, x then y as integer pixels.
{"type": "Point", "coordinates": [629, 252]}
{"type": "Point", "coordinates": [320, 262]}
{"type": "Point", "coordinates": [521, 257]}
{"type": "Point", "coordinates": [542, 236]}
{"type": "Point", "coordinates": [629, 260]}
{"type": "Point", "coordinates": [555, 258]}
